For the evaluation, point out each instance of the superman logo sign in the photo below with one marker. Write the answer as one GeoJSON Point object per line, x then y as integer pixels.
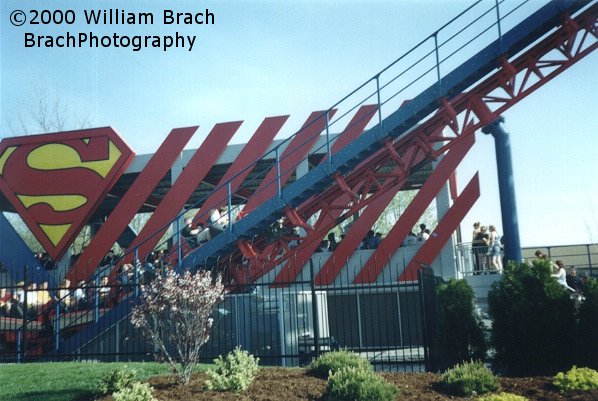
{"type": "Point", "coordinates": [57, 181]}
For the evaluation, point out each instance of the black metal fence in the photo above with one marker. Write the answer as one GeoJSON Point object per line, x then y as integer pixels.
{"type": "Point", "coordinates": [390, 323]}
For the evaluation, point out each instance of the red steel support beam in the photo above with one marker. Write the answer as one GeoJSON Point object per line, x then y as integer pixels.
{"type": "Point", "coordinates": [309, 244]}
{"type": "Point", "coordinates": [194, 172]}
{"type": "Point", "coordinates": [130, 203]}
{"type": "Point", "coordinates": [355, 128]}
{"type": "Point", "coordinates": [370, 271]}
{"type": "Point", "coordinates": [296, 151]}
{"type": "Point", "coordinates": [453, 185]}
{"type": "Point", "coordinates": [238, 171]}
{"type": "Point", "coordinates": [353, 237]}
{"type": "Point", "coordinates": [359, 228]}
{"type": "Point", "coordinates": [431, 248]}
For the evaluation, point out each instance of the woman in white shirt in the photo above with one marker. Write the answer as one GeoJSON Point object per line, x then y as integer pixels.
{"type": "Point", "coordinates": [561, 275]}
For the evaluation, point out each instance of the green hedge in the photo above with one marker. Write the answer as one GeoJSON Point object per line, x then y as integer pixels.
{"type": "Point", "coordinates": [533, 329]}
{"type": "Point", "coordinates": [587, 329]}
{"type": "Point", "coordinates": [461, 330]}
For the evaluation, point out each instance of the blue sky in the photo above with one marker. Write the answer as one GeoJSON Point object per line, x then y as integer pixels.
{"type": "Point", "coordinates": [265, 58]}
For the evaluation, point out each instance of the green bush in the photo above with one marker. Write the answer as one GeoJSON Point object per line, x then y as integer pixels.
{"type": "Point", "coordinates": [587, 345]}
{"type": "Point", "coordinates": [235, 372]}
{"type": "Point", "coordinates": [359, 384]}
{"type": "Point", "coordinates": [533, 316]}
{"type": "Point", "coordinates": [502, 397]}
{"type": "Point", "coordinates": [461, 330]}
{"type": "Point", "coordinates": [135, 392]}
{"type": "Point", "coordinates": [116, 380]}
{"type": "Point", "coordinates": [577, 379]}
{"type": "Point", "coordinates": [332, 362]}
{"type": "Point", "coordinates": [468, 379]}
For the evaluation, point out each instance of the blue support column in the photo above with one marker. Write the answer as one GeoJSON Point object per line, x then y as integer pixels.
{"type": "Point", "coordinates": [506, 187]}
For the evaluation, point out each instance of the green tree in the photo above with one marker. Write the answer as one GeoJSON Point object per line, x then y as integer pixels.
{"type": "Point", "coordinates": [587, 329]}
{"type": "Point", "coordinates": [397, 207]}
{"type": "Point", "coordinates": [533, 321]}
{"type": "Point", "coordinates": [461, 330]}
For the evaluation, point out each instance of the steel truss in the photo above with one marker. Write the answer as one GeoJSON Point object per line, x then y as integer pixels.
{"type": "Point", "coordinates": [371, 186]}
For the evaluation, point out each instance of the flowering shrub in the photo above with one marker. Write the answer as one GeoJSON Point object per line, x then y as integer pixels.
{"type": "Point", "coordinates": [135, 392]}
{"type": "Point", "coordinates": [116, 380]}
{"type": "Point", "coordinates": [235, 372]}
{"type": "Point", "coordinates": [577, 379]}
{"type": "Point", "coordinates": [359, 384]}
{"type": "Point", "coordinates": [175, 314]}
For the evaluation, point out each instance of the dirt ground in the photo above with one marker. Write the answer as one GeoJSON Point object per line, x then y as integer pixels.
{"type": "Point", "coordinates": [274, 384]}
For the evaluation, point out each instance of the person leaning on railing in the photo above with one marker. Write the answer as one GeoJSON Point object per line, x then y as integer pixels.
{"type": "Point", "coordinates": [574, 281]}
{"type": "Point", "coordinates": [494, 249]}
{"type": "Point", "coordinates": [218, 221]}
{"type": "Point", "coordinates": [103, 292]}
{"type": "Point", "coordinates": [43, 295]}
{"type": "Point", "coordinates": [14, 306]}
{"type": "Point", "coordinates": [195, 236]}
{"type": "Point", "coordinates": [479, 248]}
{"type": "Point", "coordinates": [81, 297]}
{"type": "Point", "coordinates": [65, 295]}
{"type": "Point", "coordinates": [561, 275]}
{"type": "Point", "coordinates": [5, 302]}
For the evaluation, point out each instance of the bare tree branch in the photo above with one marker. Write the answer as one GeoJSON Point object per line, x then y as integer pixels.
{"type": "Point", "coordinates": [48, 112]}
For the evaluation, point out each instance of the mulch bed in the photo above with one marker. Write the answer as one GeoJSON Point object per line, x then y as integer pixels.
{"type": "Point", "coordinates": [275, 384]}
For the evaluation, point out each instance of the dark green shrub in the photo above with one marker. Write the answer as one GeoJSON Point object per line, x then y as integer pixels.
{"type": "Point", "coordinates": [461, 330]}
{"type": "Point", "coordinates": [588, 326]}
{"type": "Point", "coordinates": [502, 397]}
{"type": "Point", "coordinates": [533, 321]}
{"type": "Point", "coordinates": [577, 379]}
{"type": "Point", "coordinates": [332, 362]}
{"type": "Point", "coordinates": [116, 380]}
{"type": "Point", "coordinates": [235, 372]}
{"type": "Point", "coordinates": [359, 384]}
{"type": "Point", "coordinates": [468, 379]}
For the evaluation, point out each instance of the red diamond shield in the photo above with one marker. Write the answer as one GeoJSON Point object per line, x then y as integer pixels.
{"type": "Point", "coordinates": [57, 181]}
